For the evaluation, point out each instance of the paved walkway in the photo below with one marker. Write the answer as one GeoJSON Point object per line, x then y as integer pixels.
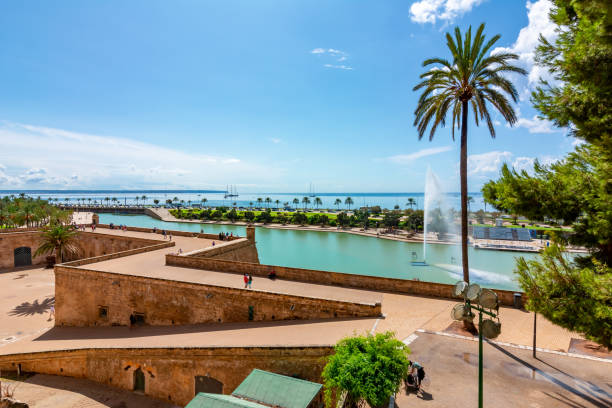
{"type": "Point", "coordinates": [512, 378]}
{"type": "Point", "coordinates": [50, 391]}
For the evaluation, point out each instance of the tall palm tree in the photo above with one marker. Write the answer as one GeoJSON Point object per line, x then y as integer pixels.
{"type": "Point", "coordinates": [411, 202]}
{"type": "Point", "coordinates": [470, 200]}
{"type": "Point", "coordinates": [250, 205]}
{"type": "Point", "coordinates": [144, 199]}
{"type": "Point", "coordinates": [268, 201]}
{"type": "Point", "coordinates": [471, 78]}
{"type": "Point", "coordinates": [204, 201]}
{"type": "Point", "coordinates": [296, 201]}
{"type": "Point", "coordinates": [348, 202]}
{"type": "Point", "coordinates": [277, 202]}
{"type": "Point", "coordinates": [259, 201]}
{"type": "Point", "coordinates": [305, 201]}
{"type": "Point", "coordinates": [317, 202]}
{"type": "Point", "coordinates": [58, 239]}
{"type": "Point", "coordinates": [337, 203]}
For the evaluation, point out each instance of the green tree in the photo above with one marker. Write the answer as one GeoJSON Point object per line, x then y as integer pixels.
{"type": "Point", "coordinates": [268, 201]}
{"type": "Point", "coordinates": [156, 201]}
{"type": "Point", "coordinates": [277, 202]}
{"type": "Point", "coordinates": [59, 240]}
{"type": "Point", "coordinates": [323, 220]}
{"type": "Point", "coordinates": [473, 77]}
{"type": "Point", "coordinates": [411, 202]}
{"type": "Point", "coordinates": [264, 216]}
{"type": "Point", "coordinates": [368, 368]}
{"type": "Point", "coordinates": [577, 298]}
{"type": "Point", "coordinates": [296, 201]}
{"type": "Point", "coordinates": [343, 219]}
{"type": "Point", "coordinates": [299, 218]}
{"type": "Point", "coordinates": [317, 202]}
{"type": "Point", "coordinates": [337, 203]}
{"type": "Point", "coordinates": [305, 201]}
{"type": "Point", "coordinates": [232, 215]}
{"type": "Point", "coordinates": [348, 202]}
{"type": "Point", "coordinates": [249, 215]}
{"type": "Point", "coordinates": [259, 201]}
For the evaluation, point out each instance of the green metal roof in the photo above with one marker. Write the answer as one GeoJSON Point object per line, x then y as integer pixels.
{"type": "Point", "coordinates": [203, 400]}
{"type": "Point", "coordinates": [277, 390]}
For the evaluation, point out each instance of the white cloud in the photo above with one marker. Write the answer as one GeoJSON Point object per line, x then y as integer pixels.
{"type": "Point", "coordinates": [338, 67]}
{"type": "Point", "coordinates": [429, 11]}
{"type": "Point", "coordinates": [536, 125]}
{"type": "Point", "coordinates": [528, 40]}
{"type": "Point", "coordinates": [486, 163]}
{"type": "Point", "coordinates": [408, 158]}
{"type": "Point", "coordinates": [275, 140]}
{"type": "Point", "coordinates": [40, 156]}
{"type": "Point", "coordinates": [333, 55]}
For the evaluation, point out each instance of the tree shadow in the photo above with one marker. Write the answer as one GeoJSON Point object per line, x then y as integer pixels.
{"type": "Point", "coordinates": [36, 307]}
{"type": "Point", "coordinates": [564, 400]}
{"type": "Point", "coordinates": [580, 389]}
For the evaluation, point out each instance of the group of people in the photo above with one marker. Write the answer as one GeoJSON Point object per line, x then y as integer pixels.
{"type": "Point", "coordinates": [248, 280]}
{"type": "Point", "coordinates": [416, 374]}
{"type": "Point", "coordinates": [225, 236]}
{"type": "Point", "coordinates": [113, 226]}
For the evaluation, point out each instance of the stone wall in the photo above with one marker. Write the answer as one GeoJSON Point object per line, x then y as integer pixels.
{"type": "Point", "coordinates": [12, 240]}
{"type": "Point", "coordinates": [170, 372]}
{"type": "Point", "coordinates": [243, 250]}
{"type": "Point", "coordinates": [91, 245]}
{"type": "Point", "coordinates": [80, 294]}
{"type": "Point", "coordinates": [412, 287]}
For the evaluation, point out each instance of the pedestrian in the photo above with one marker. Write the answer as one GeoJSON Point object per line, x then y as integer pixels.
{"type": "Point", "coordinates": [250, 280]}
{"type": "Point", "coordinates": [246, 280]}
{"type": "Point", "coordinates": [170, 236]}
{"type": "Point", "coordinates": [52, 312]}
{"type": "Point", "coordinates": [164, 233]}
{"type": "Point", "coordinates": [416, 374]}
{"type": "Point", "coordinates": [213, 244]}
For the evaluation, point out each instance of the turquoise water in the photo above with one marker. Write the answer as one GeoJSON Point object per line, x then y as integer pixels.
{"type": "Point", "coordinates": [357, 254]}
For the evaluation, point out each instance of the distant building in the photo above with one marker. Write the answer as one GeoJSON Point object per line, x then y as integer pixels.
{"type": "Point", "coordinates": [262, 389]}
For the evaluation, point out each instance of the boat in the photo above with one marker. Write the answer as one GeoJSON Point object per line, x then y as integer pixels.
{"type": "Point", "coordinates": [231, 192]}
{"type": "Point", "coordinates": [311, 192]}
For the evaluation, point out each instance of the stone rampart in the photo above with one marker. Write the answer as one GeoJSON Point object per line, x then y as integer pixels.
{"type": "Point", "coordinates": [172, 232]}
{"type": "Point", "coordinates": [243, 250]}
{"type": "Point", "coordinates": [173, 374]}
{"type": "Point", "coordinates": [411, 287]}
{"type": "Point", "coordinates": [93, 298]}
{"type": "Point", "coordinates": [10, 241]}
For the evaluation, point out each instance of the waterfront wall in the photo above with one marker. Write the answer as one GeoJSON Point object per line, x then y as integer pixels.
{"type": "Point", "coordinates": [170, 373]}
{"type": "Point", "coordinates": [412, 287]}
{"type": "Point", "coordinates": [10, 241]}
{"type": "Point", "coordinates": [238, 250]}
{"type": "Point", "coordinates": [92, 298]}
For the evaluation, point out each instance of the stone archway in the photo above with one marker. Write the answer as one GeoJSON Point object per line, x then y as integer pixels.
{"type": "Point", "coordinates": [22, 256]}
{"type": "Point", "coordinates": [208, 385]}
{"type": "Point", "coordinates": [139, 380]}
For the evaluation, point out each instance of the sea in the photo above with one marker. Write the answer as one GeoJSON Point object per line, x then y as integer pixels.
{"type": "Point", "coordinates": [219, 198]}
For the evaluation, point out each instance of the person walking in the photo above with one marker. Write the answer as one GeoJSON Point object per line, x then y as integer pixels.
{"type": "Point", "coordinates": [250, 280]}
{"type": "Point", "coordinates": [170, 237]}
{"type": "Point", "coordinates": [246, 280]}
{"type": "Point", "coordinates": [51, 312]}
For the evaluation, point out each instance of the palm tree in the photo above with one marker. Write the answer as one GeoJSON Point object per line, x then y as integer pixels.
{"type": "Point", "coordinates": [470, 200]}
{"type": "Point", "coordinates": [471, 77]}
{"type": "Point", "coordinates": [60, 240]}
{"type": "Point", "coordinates": [296, 201]}
{"type": "Point", "coordinates": [114, 200]}
{"type": "Point", "coordinates": [305, 201]}
{"type": "Point", "coordinates": [204, 201]}
{"type": "Point", "coordinates": [136, 198]}
{"type": "Point", "coordinates": [348, 202]}
{"type": "Point", "coordinates": [250, 205]}
{"type": "Point", "coordinates": [259, 201]}
{"type": "Point", "coordinates": [144, 199]}
{"type": "Point", "coordinates": [268, 201]}
{"type": "Point", "coordinates": [156, 201]}
{"type": "Point", "coordinates": [277, 202]}
{"type": "Point", "coordinates": [337, 203]}
{"type": "Point", "coordinates": [107, 199]}
{"type": "Point", "coordinates": [411, 202]}
{"type": "Point", "coordinates": [317, 202]}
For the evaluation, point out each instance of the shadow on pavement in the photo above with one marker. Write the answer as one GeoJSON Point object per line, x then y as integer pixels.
{"type": "Point", "coordinates": [30, 309]}
{"type": "Point", "coordinates": [587, 394]}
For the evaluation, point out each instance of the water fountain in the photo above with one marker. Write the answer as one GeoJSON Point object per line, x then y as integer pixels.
{"type": "Point", "coordinates": [437, 212]}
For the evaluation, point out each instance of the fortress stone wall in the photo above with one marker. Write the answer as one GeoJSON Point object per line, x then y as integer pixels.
{"type": "Point", "coordinates": [412, 287]}
{"type": "Point", "coordinates": [81, 294]}
{"type": "Point", "coordinates": [170, 373]}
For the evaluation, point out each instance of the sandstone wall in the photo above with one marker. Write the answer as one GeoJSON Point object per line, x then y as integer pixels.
{"type": "Point", "coordinates": [412, 287]}
{"type": "Point", "coordinates": [170, 372]}
{"type": "Point", "coordinates": [12, 240]}
{"type": "Point", "coordinates": [91, 245]}
{"type": "Point", "coordinates": [80, 293]}
{"type": "Point", "coordinates": [243, 250]}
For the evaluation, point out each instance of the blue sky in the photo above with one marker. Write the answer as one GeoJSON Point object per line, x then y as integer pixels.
{"type": "Point", "coordinates": [267, 95]}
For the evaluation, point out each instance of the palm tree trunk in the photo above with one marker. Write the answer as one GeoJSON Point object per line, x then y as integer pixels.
{"type": "Point", "coordinates": [464, 194]}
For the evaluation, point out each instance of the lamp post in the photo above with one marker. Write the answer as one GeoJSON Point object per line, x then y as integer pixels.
{"type": "Point", "coordinates": [483, 299]}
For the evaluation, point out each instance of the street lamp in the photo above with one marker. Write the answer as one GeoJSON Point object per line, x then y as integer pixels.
{"type": "Point", "coordinates": [477, 299]}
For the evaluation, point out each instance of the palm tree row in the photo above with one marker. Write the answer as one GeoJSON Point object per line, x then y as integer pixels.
{"type": "Point", "coordinates": [29, 212]}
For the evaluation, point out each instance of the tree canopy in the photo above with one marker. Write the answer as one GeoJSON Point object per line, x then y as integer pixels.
{"type": "Point", "coordinates": [577, 190]}
{"type": "Point", "coordinates": [369, 368]}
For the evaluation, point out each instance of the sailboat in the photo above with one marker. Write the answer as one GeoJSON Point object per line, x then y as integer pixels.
{"type": "Point", "coordinates": [231, 192]}
{"type": "Point", "coordinates": [311, 192]}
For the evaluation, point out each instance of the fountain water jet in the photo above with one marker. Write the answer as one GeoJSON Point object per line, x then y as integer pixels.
{"type": "Point", "coordinates": [437, 215]}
